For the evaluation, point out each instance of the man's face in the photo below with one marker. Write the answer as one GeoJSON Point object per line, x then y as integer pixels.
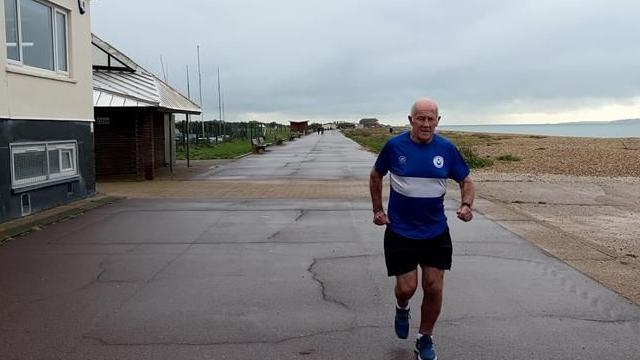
{"type": "Point", "coordinates": [423, 124]}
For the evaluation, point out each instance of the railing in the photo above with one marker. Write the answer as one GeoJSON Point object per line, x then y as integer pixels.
{"type": "Point", "coordinates": [214, 132]}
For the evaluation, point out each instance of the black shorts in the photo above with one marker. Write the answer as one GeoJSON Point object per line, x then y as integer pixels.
{"type": "Point", "coordinates": [402, 255]}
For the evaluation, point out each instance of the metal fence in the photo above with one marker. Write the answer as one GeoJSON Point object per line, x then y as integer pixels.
{"type": "Point", "coordinates": [214, 132]}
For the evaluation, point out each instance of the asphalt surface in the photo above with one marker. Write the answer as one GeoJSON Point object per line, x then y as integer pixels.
{"type": "Point", "coordinates": [315, 157]}
{"type": "Point", "coordinates": [286, 279]}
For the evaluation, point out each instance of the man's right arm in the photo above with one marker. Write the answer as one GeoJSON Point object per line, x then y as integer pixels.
{"type": "Point", "coordinates": [375, 188]}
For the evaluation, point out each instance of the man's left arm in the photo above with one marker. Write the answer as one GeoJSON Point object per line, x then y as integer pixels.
{"type": "Point", "coordinates": [467, 193]}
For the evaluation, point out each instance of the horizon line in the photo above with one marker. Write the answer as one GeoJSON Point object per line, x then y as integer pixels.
{"type": "Point", "coordinates": [557, 123]}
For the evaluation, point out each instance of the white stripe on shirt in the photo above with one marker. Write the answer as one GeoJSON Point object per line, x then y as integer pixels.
{"type": "Point", "coordinates": [418, 187]}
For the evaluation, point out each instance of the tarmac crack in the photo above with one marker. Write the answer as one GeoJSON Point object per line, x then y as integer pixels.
{"type": "Point", "coordinates": [602, 321]}
{"type": "Point", "coordinates": [323, 288]}
{"type": "Point", "coordinates": [103, 269]}
{"type": "Point", "coordinates": [145, 283]}
{"type": "Point", "coordinates": [547, 316]}
{"type": "Point", "coordinates": [171, 243]}
{"type": "Point", "coordinates": [302, 213]}
{"type": "Point", "coordinates": [277, 233]}
{"type": "Point", "coordinates": [502, 258]}
{"type": "Point", "coordinates": [254, 209]}
{"type": "Point", "coordinates": [104, 342]}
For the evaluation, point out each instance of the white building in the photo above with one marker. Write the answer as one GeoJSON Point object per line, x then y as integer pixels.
{"type": "Point", "coordinates": [46, 105]}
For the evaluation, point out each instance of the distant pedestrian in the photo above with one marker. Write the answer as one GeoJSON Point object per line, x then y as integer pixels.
{"type": "Point", "coordinates": [419, 162]}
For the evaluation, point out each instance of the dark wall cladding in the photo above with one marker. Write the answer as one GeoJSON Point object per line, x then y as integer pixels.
{"type": "Point", "coordinates": [115, 143]}
{"type": "Point", "coordinates": [19, 131]}
{"type": "Point", "coordinates": [158, 140]}
{"type": "Point", "coordinates": [129, 142]}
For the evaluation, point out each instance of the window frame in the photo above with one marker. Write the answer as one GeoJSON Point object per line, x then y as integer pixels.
{"type": "Point", "coordinates": [62, 148]}
{"type": "Point", "coordinates": [55, 9]}
{"type": "Point", "coordinates": [66, 174]}
{"type": "Point", "coordinates": [18, 34]}
{"type": "Point", "coordinates": [56, 60]}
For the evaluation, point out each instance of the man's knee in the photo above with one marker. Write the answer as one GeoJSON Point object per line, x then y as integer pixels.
{"type": "Point", "coordinates": [407, 284]}
{"type": "Point", "coordinates": [406, 289]}
{"type": "Point", "coordinates": [433, 287]}
{"type": "Point", "coordinates": [433, 282]}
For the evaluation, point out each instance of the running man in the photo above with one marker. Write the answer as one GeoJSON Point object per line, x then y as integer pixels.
{"type": "Point", "coordinates": [419, 162]}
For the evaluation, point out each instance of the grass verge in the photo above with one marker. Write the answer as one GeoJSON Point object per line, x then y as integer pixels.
{"type": "Point", "coordinates": [374, 139]}
{"type": "Point", "coordinates": [226, 150]}
{"type": "Point", "coordinates": [472, 158]}
{"type": "Point", "coordinates": [508, 157]}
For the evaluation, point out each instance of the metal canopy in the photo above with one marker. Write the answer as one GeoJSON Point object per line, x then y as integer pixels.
{"type": "Point", "coordinates": [134, 87]}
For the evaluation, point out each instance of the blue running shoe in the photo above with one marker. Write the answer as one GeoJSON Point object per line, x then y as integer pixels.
{"type": "Point", "coordinates": [425, 348]}
{"type": "Point", "coordinates": [401, 323]}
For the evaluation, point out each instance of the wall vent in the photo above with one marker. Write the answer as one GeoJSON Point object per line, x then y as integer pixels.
{"type": "Point", "coordinates": [25, 201]}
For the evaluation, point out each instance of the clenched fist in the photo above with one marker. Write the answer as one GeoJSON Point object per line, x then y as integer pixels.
{"type": "Point", "coordinates": [380, 218]}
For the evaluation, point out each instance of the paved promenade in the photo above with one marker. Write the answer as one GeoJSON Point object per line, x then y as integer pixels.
{"type": "Point", "coordinates": [269, 257]}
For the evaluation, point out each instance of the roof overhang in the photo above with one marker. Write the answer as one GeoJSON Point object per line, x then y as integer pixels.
{"type": "Point", "coordinates": [139, 88]}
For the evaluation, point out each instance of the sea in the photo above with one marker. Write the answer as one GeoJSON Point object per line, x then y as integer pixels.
{"type": "Point", "coordinates": [612, 129]}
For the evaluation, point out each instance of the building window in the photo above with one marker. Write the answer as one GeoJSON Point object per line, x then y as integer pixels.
{"type": "Point", "coordinates": [41, 163]}
{"type": "Point", "coordinates": [104, 61]}
{"type": "Point", "coordinates": [37, 34]}
{"type": "Point", "coordinates": [61, 41]}
{"type": "Point", "coordinates": [11, 29]}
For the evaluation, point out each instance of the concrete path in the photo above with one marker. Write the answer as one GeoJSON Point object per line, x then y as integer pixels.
{"type": "Point", "coordinates": [286, 278]}
{"type": "Point", "coordinates": [315, 157]}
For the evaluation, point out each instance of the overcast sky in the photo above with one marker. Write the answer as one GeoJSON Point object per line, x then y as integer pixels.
{"type": "Point", "coordinates": [485, 62]}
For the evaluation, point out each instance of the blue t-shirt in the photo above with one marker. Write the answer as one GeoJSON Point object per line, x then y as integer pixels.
{"type": "Point", "coordinates": [419, 174]}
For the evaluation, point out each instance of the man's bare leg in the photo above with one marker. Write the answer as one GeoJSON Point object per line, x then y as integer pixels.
{"type": "Point", "coordinates": [432, 285]}
{"type": "Point", "coordinates": [406, 285]}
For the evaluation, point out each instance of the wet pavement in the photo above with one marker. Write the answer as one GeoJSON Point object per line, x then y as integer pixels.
{"type": "Point", "coordinates": [286, 279]}
{"type": "Point", "coordinates": [315, 157]}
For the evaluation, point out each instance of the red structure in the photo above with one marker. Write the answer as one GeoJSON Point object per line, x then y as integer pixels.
{"type": "Point", "coordinates": [299, 126]}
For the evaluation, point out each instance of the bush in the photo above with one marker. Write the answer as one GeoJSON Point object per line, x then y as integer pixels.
{"type": "Point", "coordinates": [508, 157]}
{"type": "Point", "coordinates": [371, 139]}
{"type": "Point", "coordinates": [473, 160]}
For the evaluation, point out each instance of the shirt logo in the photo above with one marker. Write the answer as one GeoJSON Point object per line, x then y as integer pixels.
{"type": "Point", "coordinates": [402, 159]}
{"type": "Point", "coordinates": [438, 161]}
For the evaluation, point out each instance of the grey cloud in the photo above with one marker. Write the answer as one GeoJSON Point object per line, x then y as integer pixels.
{"type": "Point", "coordinates": [337, 59]}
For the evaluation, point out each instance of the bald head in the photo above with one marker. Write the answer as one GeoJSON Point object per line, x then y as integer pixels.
{"type": "Point", "coordinates": [424, 104]}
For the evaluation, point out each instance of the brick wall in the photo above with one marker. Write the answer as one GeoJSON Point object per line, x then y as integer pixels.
{"type": "Point", "coordinates": [115, 144]}
{"type": "Point", "coordinates": [128, 142]}
{"type": "Point", "coordinates": [158, 140]}
{"type": "Point", "coordinates": [144, 146]}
